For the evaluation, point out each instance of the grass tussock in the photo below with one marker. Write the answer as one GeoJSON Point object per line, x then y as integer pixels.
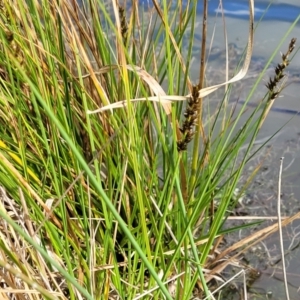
{"type": "Point", "coordinates": [106, 203]}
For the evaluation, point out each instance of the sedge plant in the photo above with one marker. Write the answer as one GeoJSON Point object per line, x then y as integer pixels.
{"type": "Point", "coordinates": [104, 203]}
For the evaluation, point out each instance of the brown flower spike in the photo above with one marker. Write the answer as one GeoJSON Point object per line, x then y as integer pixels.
{"type": "Point", "coordinates": [190, 115]}
{"type": "Point", "coordinates": [279, 72]}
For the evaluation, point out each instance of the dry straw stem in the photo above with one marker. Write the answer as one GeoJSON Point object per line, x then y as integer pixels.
{"type": "Point", "coordinates": [247, 243]}
{"type": "Point", "coordinates": [280, 231]}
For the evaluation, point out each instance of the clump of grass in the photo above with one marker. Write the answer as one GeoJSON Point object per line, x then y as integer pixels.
{"type": "Point", "coordinates": [104, 205]}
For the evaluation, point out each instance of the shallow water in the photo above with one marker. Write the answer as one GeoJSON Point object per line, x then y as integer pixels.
{"type": "Point", "coordinates": [262, 194]}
